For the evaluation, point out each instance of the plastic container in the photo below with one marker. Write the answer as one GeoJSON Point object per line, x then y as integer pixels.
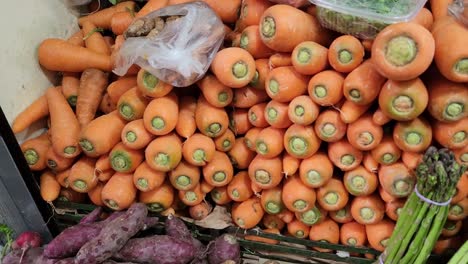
{"type": "Point", "coordinates": [459, 10]}
{"type": "Point", "coordinates": [365, 18]}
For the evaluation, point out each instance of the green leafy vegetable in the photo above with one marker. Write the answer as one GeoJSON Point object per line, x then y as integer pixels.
{"type": "Point", "coordinates": [8, 233]}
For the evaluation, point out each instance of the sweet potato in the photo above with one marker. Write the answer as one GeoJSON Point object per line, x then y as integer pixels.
{"type": "Point", "coordinates": [92, 217]}
{"type": "Point", "coordinates": [32, 255]}
{"type": "Point", "coordinates": [175, 227]}
{"type": "Point", "coordinates": [224, 248]}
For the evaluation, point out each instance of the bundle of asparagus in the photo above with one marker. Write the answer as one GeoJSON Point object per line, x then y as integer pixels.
{"type": "Point", "coordinates": [425, 212]}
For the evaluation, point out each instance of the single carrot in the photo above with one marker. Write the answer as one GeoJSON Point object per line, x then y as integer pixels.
{"type": "Point", "coordinates": [411, 159]}
{"type": "Point", "coordinates": [59, 55]}
{"type": "Point", "coordinates": [276, 114]}
{"type": "Point", "coordinates": [119, 192]}
{"type": "Point", "coordinates": [37, 110]}
{"type": "Point", "coordinates": [146, 179]}
{"type": "Point", "coordinates": [70, 87]}
{"type": "Point", "coordinates": [164, 153]}
{"type": "Point", "coordinates": [64, 126]}
{"type": "Point", "coordinates": [266, 173]}
{"type": "Point", "coordinates": [135, 136]}
{"type": "Point", "coordinates": [240, 155]}
{"type": "Point", "coordinates": [447, 245]}
{"type": "Point", "coordinates": [326, 88]}
{"type": "Point", "coordinates": [403, 51]}
{"type": "Point", "coordinates": [120, 21]}
{"type": "Point", "coordinates": [290, 164]}
{"type": "Point", "coordinates": [225, 142]}
{"type": "Point", "coordinates": [251, 137]}
{"type": "Point", "coordinates": [302, 110]}
{"type": "Point", "coordinates": [439, 8]}
{"type": "Point", "coordinates": [248, 96]}
{"type": "Point", "coordinates": [150, 6]}
{"type": "Point", "coordinates": [220, 195]}
{"type": "Point", "coordinates": [200, 211]}
{"type": "Point", "coordinates": [211, 121]}
{"type": "Point", "coordinates": [273, 221]}
{"type": "Point", "coordinates": [459, 210]}
{"type": "Point", "coordinates": [35, 151]}
{"type": "Point", "coordinates": [263, 239]}
{"type": "Point", "coordinates": [329, 127]}
{"type": "Point", "coordinates": [283, 27]}
{"type": "Point", "coordinates": [350, 112]}
{"type": "Point", "coordinates": [301, 141]}
{"type": "Point", "coordinates": [451, 228]}
{"type": "Point", "coordinates": [205, 187]}
{"type": "Point", "coordinates": [105, 175]}
{"type": "Point", "coordinates": [56, 162]}
{"type": "Point", "coordinates": [325, 231]}
{"type": "Point", "coordinates": [117, 88]}
{"type": "Point", "coordinates": [132, 105]}
{"type": "Point", "coordinates": [396, 179]}
{"type": "Point", "coordinates": [363, 84]}
{"type": "Point", "coordinates": [216, 93]}
{"type": "Point", "coordinates": [77, 38]}
{"type": "Point", "coordinates": [239, 188]}
{"type": "Point", "coordinates": [161, 115]}
{"type": "Point", "coordinates": [93, 83]}
{"type": "Point", "coordinates": [234, 67]}
{"type": "Point", "coordinates": [251, 42]}
{"type": "Point", "coordinates": [262, 68]}
{"type": "Point", "coordinates": [106, 106]}
{"type": "Point", "coordinates": [370, 163]}
{"type": "Point", "coordinates": [394, 208]}
{"type": "Point", "coordinates": [280, 59]}
{"type": "Point", "coordinates": [219, 171]}
{"type": "Point", "coordinates": [379, 118]}
{"type": "Point", "coordinates": [198, 149]}
{"type": "Point", "coordinates": [386, 197]}
{"type": "Point", "coordinates": [413, 136]}
{"type": "Point", "coordinates": [266, 143]}
{"type": "Point", "coordinates": [271, 200]}
{"type": "Point", "coordinates": [424, 18]}
{"type": "Point", "coordinates": [367, 210]}
{"type": "Point", "coordinates": [257, 115]}
{"type": "Point", "coordinates": [158, 199]}
{"type": "Point", "coordinates": [346, 53]}
{"type": "Point", "coordinates": [102, 134]}
{"type": "Point", "coordinates": [344, 155]}
{"type": "Point", "coordinates": [286, 215]}
{"type": "Point", "coordinates": [193, 196]}
{"type": "Point", "coordinates": [251, 12]}
{"type": "Point", "coordinates": [95, 195]}
{"type": "Point", "coordinates": [360, 181]}
{"type": "Point", "coordinates": [103, 163]}
{"type": "Point", "coordinates": [378, 234]}
{"type": "Point", "coordinates": [69, 195]}
{"type": "Point", "coordinates": [82, 177]}
{"type": "Point", "coordinates": [247, 214]}
{"type": "Point", "coordinates": [309, 58]}
{"type": "Point", "coordinates": [387, 152]}
{"type": "Point", "coordinates": [448, 101]}
{"type": "Point", "coordinates": [332, 196]}
{"type": "Point", "coordinates": [283, 84]}
{"type": "Point", "coordinates": [462, 190]}
{"type": "Point", "coordinates": [451, 135]}
{"type": "Point", "coordinates": [103, 17]}
{"type": "Point", "coordinates": [62, 178]}
{"type": "Point", "coordinates": [50, 188]}
{"type": "Point", "coordinates": [228, 11]}
{"type": "Point", "coordinates": [186, 125]}
{"type": "Point", "coordinates": [343, 215]}
{"type": "Point", "coordinates": [316, 170]}
{"type": "Point", "coordinates": [461, 155]}
{"type": "Point", "coordinates": [364, 134]}
{"type": "Point", "coordinates": [150, 85]}
{"type": "Point", "coordinates": [296, 196]}
{"type": "Point", "coordinates": [93, 39]}
{"type": "Point", "coordinates": [298, 229]}
{"type": "Point", "coordinates": [239, 121]}
{"type": "Point", "coordinates": [124, 159]}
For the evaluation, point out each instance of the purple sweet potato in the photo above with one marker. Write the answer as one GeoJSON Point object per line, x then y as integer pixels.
{"type": "Point", "coordinates": [161, 249]}
{"type": "Point", "coordinates": [224, 248]}
{"type": "Point", "coordinates": [175, 227]}
{"type": "Point", "coordinates": [92, 217]}
{"type": "Point", "coordinates": [66, 261]}
{"type": "Point", "coordinates": [30, 256]}
{"type": "Point", "coordinates": [150, 222]}
{"type": "Point", "coordinates": [113, 236]}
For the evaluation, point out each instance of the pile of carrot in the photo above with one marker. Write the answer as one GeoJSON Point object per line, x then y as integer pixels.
{"type": "Point", "coordinates": [297, 129]}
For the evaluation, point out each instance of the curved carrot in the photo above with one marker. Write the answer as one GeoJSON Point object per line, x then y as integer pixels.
{"type": "Point", "coordinates": [272, 201]}
{"type": "Point", "coordinates": [77, 38]}
{"type": "Point", "coordinates": [283, 84]}
{"type": "Point", "coordinates": [301, 141]}
{"type": "Point", "coordinates": [70, 87]}
{"type": "Point", "coordinates": [82, 177]}
{"type": "Point", "coordinates": [147, 179]}
{"type": "Point", "coordinates": [273, 221]}
{"type": "Point", "coordinates": [346, 53]}
{"type": "Point", "coordinates": [316, 170]}
{"type": "Point", "coordinates": [234, 67]}
{"type": "Point", "coordinates": [161, 114]}
{"type": "Point", "coordinates": [216, 93]}
{"type": "Point", "coordinates": [117, 88]}
{"type": "Point", "coordinates": [50, 188]}
{"type": "Point", "coordinates": [248, 96]}
{"type": "Point", "coordinates": [248, 213]}
{"type": "Point", "coordinates": [124, 159]}
{"type": "Point", "coordinates": [132, 105]}
{"type": "Point", "coordinates": [225, 142]}
{"type": "Point", "coordinates": [93, 83]}
{"type": "Point", "coordinates": [56, 162]}
{"type": "Point", "coordinates": [309, 58]}
{"type": "Point", "coordinates": [360, 181]}
{"type": "Point", "coordinates": [240, 155]}
{"type": "Point", "coordinates": [251, 12]}
{"type": "Point", "coordinates": [266, 143]}
{"type": "Point", "coordinates": [250, 41]}
{"type": "Point", "coordinates": [186, 125]}
{"type": "Point", "coordinates": [364, 134]}
{"type": "Point", "coordinates": [239, 188]}
{"type": "Point", "coordinates": [363, 84]}
{"type": "Point", "coordinates": [102, 18]}
{"type": "Point", "coordinates": [220, 195]}
{"type": "Point", "coordinates": [343, 215]}
{"type": "Point", "coordinates": [387, 152]}
{"type": "Point", "coordinates": [302, 110]}
{"type": "Point", "coordinates": [262, 68]}
{"type": "Point", "coordinates": [257, 115]}
{"type": "Point", "coordinates": [211, 121]}
{"type": "Point", "coordinates": [329, 127]}
{"type": "Point", "coordinates": [37, 110]}
{"type": "Point", "coordinates": [325, 231]}
{"type": "Point", "coordinates": [159, 199]}
{"type": "Point", "coordinates": [279, 59]}
{"type": "Point", "coordinates": [193, 196]}
{"type": "Point", "coordinates": [296, 196]}
{"type": "Point", "coordinates": [35, 151]}
{"type": "Point", "coordinates": [150, 85]}
{"type": "Point", "coordinates": [448, 101]}
{"type": "Point", "coordinates": [350, 112]}
{"type": "Point", "coordinates": [379, 234]}
{"type": "Point", "coordinates": [239, 121]}
{"type": "Point", "coordinates": [120, 21]}
{"type": "Point", "coordinates": [93, 39]}
{"type": "Point", "coordinates": [135, 136]}
{"type": "Point", "coordinates": [370, 163]}
{"type": "Point", "coordinates": [332, 196]}
{"type": "Point", "coordinates": [150, 6]}
{"type": "Point", "coordinates": [368, 210]}
{"type": "Point", "coordinates": [164, 153]}
{"type": "Point", "coordinates": [379, 118]}
{"type": "Point", "coordinates": [276, 114]}
{"type": "Point", "coordinates": [95, 195]}
{"type": "Point", "coordinates": [200, 211]}
{"type": "Point", "coordinates": [326, 88]}
{"type": "Point", "coordinates": [397, 180]}
{"type": "Point", "coordinates": [344, 155]}
{"type": "Point", "coordinates": [394, 208]}
{"type": "Point", "coordinates": [219, 171]}
{"type": "Point", "coordinates": [290, 164]}
{"type": "Point", "coordinates": [413, 136]}
{"type": "Point", "coordinates": [298, 229]}
{"type": "Point", "coordinates": [266, 173]}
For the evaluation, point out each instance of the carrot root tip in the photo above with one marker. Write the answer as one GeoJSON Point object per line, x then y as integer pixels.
{"type": "Point", "coordinates": [268, 27]}
{"type": "Point", "coordinates": [248, 143]}
{"type": "Point", "coordinates": [219, 176]}
{"type": "Point", "coordinates": [299, 111]}
{"type": "Point", "coordinates": [413, 138]}
{"type": "Point", "coordinates": [272, 114]}
{"type": "Point", "coordinates": [388, 158]}
{"type": "Point", "coordinates": [300, 205]}
{"type": "Point", "coordinates": [183, 181]}
{"type": "Point", "coordinates": [150, 81]}
{"type": "Point", "coordinates": [214, 129]}
{"type": "Point", "coordinates": [355, 95]}
{"type": "Point", "coordinates": [51, 164]}
{"type": "Point", "coordinates": [226, 143]}
{"type": "Point", "coordinates": [347, 159]}
{"type": "Point", "coordinates": [313, 177]}
{"type": "Point", "coordinates": [142, 184]}
{"type": "Point", "coordinates": [401, 50]}
{"type": "Point", "coordinates": [162, 159]}
{"type": "Point", "coordinates": [366, 213]}
{"type": "Point", "coordinates": [252, 117]}
{"type": "Point", "coordinates": [402, 187]}
{"type": "Point", "coordinates": [244, 41]}
{"type": "Point", "coordinates": [120, 161]}
{"type": "Point", "coordinates": [298, 145]}
{"type": "Point", "coordinates": [311, 217]}
{"type": "Point", "coordinates": [31, 156]}
{"type": "Point", "coordinates": [461, 66]}
{"type": "Point", "coordinates": [331, 198]}
{"type": "Point", "coordinates": [304, 55]}
{"type": "Point", "coordinates": [158, 123]}
{"type": "Point", "coordinates": [69, 150]}
{"type": "Point", "coordinates": [240, 222]}
{"type": "Point", "coordinates": [255, 79]}
{"type": "Point", "coordinates": [155, 207]}
{"type": "Point", "coordinates": [299, 234]}
{"type": "Point", "coordinates": [191, 196]}
{"type": "Point", "coordinates": [262, 148]}
{"type": "Point", "coordinates": [240, 69]}
{"type": "Point", "coordinates": [80, 185]}
{"type": "Point", "coordinates": [111, 204]}
{"type": "Point", "coordinates": [454, 110]}
{"type": "Point", "coordinates": [199, 155]}
{"type": "Point", "coordinates": [131, 136]}
{"type": "Point", "coordinates": [273, 86]}
{"type": "Point", "coordinates": [384, 242]}
{"type": "Point", "coordinates": [464, 157]}
{"type": "Point", "coordinates": [86, 145]}
{"type": "Point", "coordinates": [351, 241]}
{"type": "Point", "coordinates": [345, 56]}
{"type": "Point", "coordinates": [262, 176]}
{"type": "Point", "coordinates": [72, 100]}
{"type": "Point", "coordinates": [272, 208]}
{"type": "Point", "coordinates": [126, 111]}
{"type": "Point", "coordinates": [223, 97]}
{"type": "Point", "coordinates": [320, 91]}
{"type": "Point", "coordinates": [357, 183]}
{"type": "Point", "coordinates": [403, 104]}
{"type": "Point", "coordinates": [235, 193]}
{"type": "Point", "coordinates": [328, 129]}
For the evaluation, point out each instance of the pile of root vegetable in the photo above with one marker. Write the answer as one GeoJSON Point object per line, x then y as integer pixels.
{"type": "Point", "coordinates": [295, 129]}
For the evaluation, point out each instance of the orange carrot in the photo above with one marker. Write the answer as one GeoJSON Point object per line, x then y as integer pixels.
{"type": "Point", "coordinates": [263, 239]}
{"type": "Point", "coordinates": [257, 115]}
{"type": "Point", "coordinates": [159, 199]}
{"type": "Point", "coordinates": [411, 159]}
{"type": "Point", "coordinates": [227, 11]}
{"type": "Point", "coordinates": [150, 6]}
{"type": "Point", "coordinates": [82, 177]}
{"type": "Point", "coordinates": [95, 194]}
{"type": "Point", "coordinates": [448, 101]}
{"type": "Point", "coordinates": [35, 151]}
{"type": "Point", "coordinates": [332, 196]}
{"type": "Point", "coordinates": [262, 68]}
{"type": "Point", "coordinates": [290, 164]}
{"type": "Point", "coordinates": [146, 179]}
{"type": "Point", "coordinates": [326, 88]}
{"type": "Point", "coordinates": [273, 221]}
{"type": "Point", "coordinates": [283, 27]}
{"type": "Point", "coordinates": [124, 159]}
{"type": "Point", "coordinates": [248, 213]}
{"type": "Point", "coordinates": [93, 83]}
{"type": "Point", "coordinates": [200, 211]}
{"type": "Point", "coordinates": [396, 179]}
{"type": "Point", "coordinates": [77, 38]}
{"type": "Point", "coordinates": [62, 178]}
{"type": "Point", "coordinates": [379, 118]}
{"type": "Point", "coordinates": [301, 141]}
{"type": "Point", "coordinates": [236, 40]}
{"type": "Point", "coordinates": [65, 129]}
{"type": "Point", "coordinates": [461, 155]}
{"type": "Point", "coordinates": [239, 121]}
{"type": "Point", "coordinates": [251, 137]}
{"type": "Point", "coordinates": [393, 208]}
{"type": "Point", "coordinates": [161, 114]}
{"type": "Point", "coordinates": [240, 155]}
{"type": "Point", "coordinates": [363, 84]}
{"type": "Point", "coordinates": [272, 201]}
{"type": "Point", "coordinates": [266, 143]}
{"type": "Point", "coordinates": [251, 42]}
{"type": "Point", "coordinates": [50, 188]}
{"type": "Point", "coordinates": [451, 228]}
{"type": "Point", "coordinates": [248, 96]}
{"type": "Point", "coordinates": [121, 20]}
{"type": "Point", "coordinates": [132, 105]}
{"type": "Point", "coordinates": [298, 229]}
{"type": "Point", "coordinates": [309, 58]}
{"type": "Point", "coordinates": [329, 127]}
{"type": "Point", "coordinates": [37, 110]}
{"type": "Point", "coordinates": [344, 155]}
{"type": "Point", "coordinates": [424, 18]}
{"type": "Point", "coordinates": [316, 170]}
{"type": "Point", "coordinates": [370, 163]}
{"type": "Point", "coordinates": [164, 153]}
{"type": "Point", "coordinates": [119, 192]}
{"type": "Point", "coordinates": [462, 190]}
{"type": "Point", "coordinates": [276, 114]}
{"type": "Point", "coordinates": [353, 234]}
{"type": "Point", "coordinates": [106, 106]}
{"type": "Point", "coordinates": [150, 85]}
{"type": "Point", "coordinates": [105, 175]}
{"type": "Point", "coordinates": [220, 195]}
{"type": "Point", "coordinates": [59, 55]}
{"type": "Point", "coordinates": [198, 149]}
{"type": "Point", "coordinates": [280, 59]}
{"type": "Point", "coordinates": [103, 17]}
{"type": "Point", "coordinates": [69, 195]}
{"type": "Point", "coordinates": [414, 136]}
{"type": "Point", "coordinates": [350, 112]}
{"type": "Point", "coordinates": [286, 215]}
{"type": "Point", "coordinates": [459, 210]}
{"type": "Point", "coordinates": [205, 187]}
{"type": "Point", "coordinates": [283, 84]}
{"type": "Point", "coordinates": [94, 40]}
{"type": "Point", "coordinates": [296, 196]}
{"type": "Point", "coordinates": [251, 12]}
{"type": "Point", "coordinates": [101, 135]}
{"type": "Point", "coordinates": [343, 215]}
{"type": "Point", "coordinates": [117, 88]}
{"type": "Point", "coordinates": [239, 188]}
{"type": "Point", "coordinates": [451, 135]}
{"type": "Point", "coordinates": [219, 171]}
{"type": "Point", "coordinates": [346, 53]}
{"type": "Point", "coordinates": [403, 51]}
{"type": "Point", "coordinates": [386, 197]}
{"type": "Point", "coordinates": [135, 136]}
{"type": "Point", "coordinates": [439, 8]}
{"type": "Point", "coordinates": [234, 67]}
{"type": "Point", "coordinates": [225, 142]}
{"type": "Point", "coordinates": [193, 196]}
{"type": "Point", "coordinates": [364, 134]}
{"type": "Point", "coordinates": [387, 152]}
{"type": "Point", "coordinates": [325, 231]}
{"type": "Point", "coordinates": [378, 234]}
{"type": "Point", "coordinates": [211, 121]}
{"type": "Point", "coordinates": [266, 173]}
{"type": "Point", "coordinates": [360, 181]}
{"type": "Point", "coordinates": [70, 87]}
{"type": "Point", "coordinates": [56, 162]}
{"type": "Point", "coordinates": [367, 210]}
{"type": "Point", "coordinates": [186, 125]}
{"type": "Point", "coordinates": [302, 110]}
{"type": "Point", "coordinates": [216, 93]}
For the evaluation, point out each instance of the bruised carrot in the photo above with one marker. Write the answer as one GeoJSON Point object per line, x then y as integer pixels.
{"type": "Point", "coordinates": [309, 58]}
{"type": "Point", "coordinates": [248, 96]}
{"type": "Point", "coordinates": [117, 88]}
{"type": "Point", "coordinates": [93, 39]}
{"type": "Point", "coordinates": [301, 141]}
{"type": "Point", "coordinates": [346, 53]}
{"type": "Point", "coordinates": [403, 51]}
{"type": "Point", "coordinates": [387, 152]}
{"type": "Point", "coordinates": [211, 121]}
{"type": "Point", "coordinates": [106, 106]}
{"type": "Point", "coordinates": [266, 173]}
{"type": "Point", "coordinates": [69, 195]}
{"type": "Point", "coordinates": [82, 177]}
{"type": "Point", "coordinates": [150, 85]}
{"type": "Point", "coordinates": [247, 214]}
{"type": "Point", "coordinates": [298, 229]}
{"type": "Point", "coordinates": [95, 194]}
{"type": "Point", "coordinates": [193, 196]}
{"type": "Point", "coordinates": [332, 196]}
{"type": "Point", "coordinates": [326, 88]}
{"type": "Point", "coordinates": [56, 162]}
{"type": "Point", "coordinates": [150, 6]}
{"type": "Point", "coordinates": [186, 125]}
{"type": "Point", "coordinates": [234, 67]}
{"type": "Point", "coordinates": [368, 210]}
{"type": "Point", "coordinates": [364, 134]}
{"type": "Point", "coordinates": [239, 188]}
{"type": "Point", "coordinates": [396, 179]}
{"type": "Point", "coordinates": [276, 114]}
{"type": "Point", "coordinates": [343, 215]}
{"type": "Point", "coordinates": [120, 21]}
{"type": "Point", "coordinates": [290, 164]}
{"type": "Point", "coordinates": [283, 84]}
{"type": "Point", "coordinates": [325, 231]}
{"type": "Point", "coordinates": [216, 93]}
{"type": "Point", "coordinates": [251, 12]}
{"type": "Point", "coordinates": [329, 127]}
{"type": "Point", "coordinates": [370, 163]}
{"type": "Point", "coordinates": [264, 239]}
{"type": "Point", "coordinates": [50, 188]}
{"type": "Point", "coordinates": [363, 84]}
{"type": "Point", "coordinates": [316, 170]}
{"type": "Point", "coordinates": [344, 155]}
{"type": "Point", "coordinates": [220, 195]}
{"type": "Point", "coordinates": [256, 115]}
{"type": "Point", "coordinates": [239, 121]}
{"type": "Point", "coordinates": [251, 42]}
{"type": "Point", "coordinates": [65, 128]}
{"type": "Point", "coordinates": [200, 211]}
{"type": "Point", "coordinates": [93, 83]}
{"type": "Point", "coordinates": [146, 179]}
{"type": "Point", "coordinates": [59, 55]}
{"type": "Point", "coordinates": [158, 199]}
{"type": "Point", "coordinates": [37, 110]}
{"type": "Point", "coordinates": [164, 153]}
{"type": "Point", "coordinates": [283, 27]}
{"type": "Point", "coordinates": [135, 136]}
{"type": "Point", "coordinates": [225, 142]}
{"type": "Point", "coordinates": [272, 201]}
{"type": "Point", "coordinates": [273, 221]}
{"type": "Point", "coordinates": [35, 151]}
{"type": "Point", "coordinates": [280, 59]}
{"type": "Point", "coordinates": [296, 196]}
{"type": "Point", "coordinates": [262, 68]}
{"type": "Point", "coordinates": [70, 87]}
{"type": "Point", "coordinates": [62, 178]}
{"type": "Point", "coordinates": [350, 112]}
{"type": "Point", "coordinates": [219, 171]}
{"type": "Point", "coordinates": [302, 110]}
{"type": "Point", "coordinates": [266, 143]}
{"type": "Point", "coordinates": [448, 101]}
{"type": "Point", "coordinates": [124, 159]}
{"type": "Point", "coordinates": [411, 159]}
{"type": "Point", "coordinates": [161, 114]}
{"type": "Point", "coordinates": [240, 155]}
{"type": "Point", "coordinates": [413, 136]}
{"type": "Point", "coordinates": [379, 118]}
{"type": "Point", "coordinates": [132, 105]}
{"type": "Point", "coordinates": [394, 208]}
{"type": "Point", "coordinates": [102, 134]}
{"type": "Point", "coordinates": [228, 11]}
{"type": "Point", "coordinates": [360, 181]}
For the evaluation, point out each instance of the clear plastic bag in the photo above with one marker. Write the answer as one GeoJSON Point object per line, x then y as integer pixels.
{"type": "Point", "coordinates": [182, 49]}
{"type": "Point", "coordinates": [459, 10]}
{"type": "Point", "coordinates": [295, 3]}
